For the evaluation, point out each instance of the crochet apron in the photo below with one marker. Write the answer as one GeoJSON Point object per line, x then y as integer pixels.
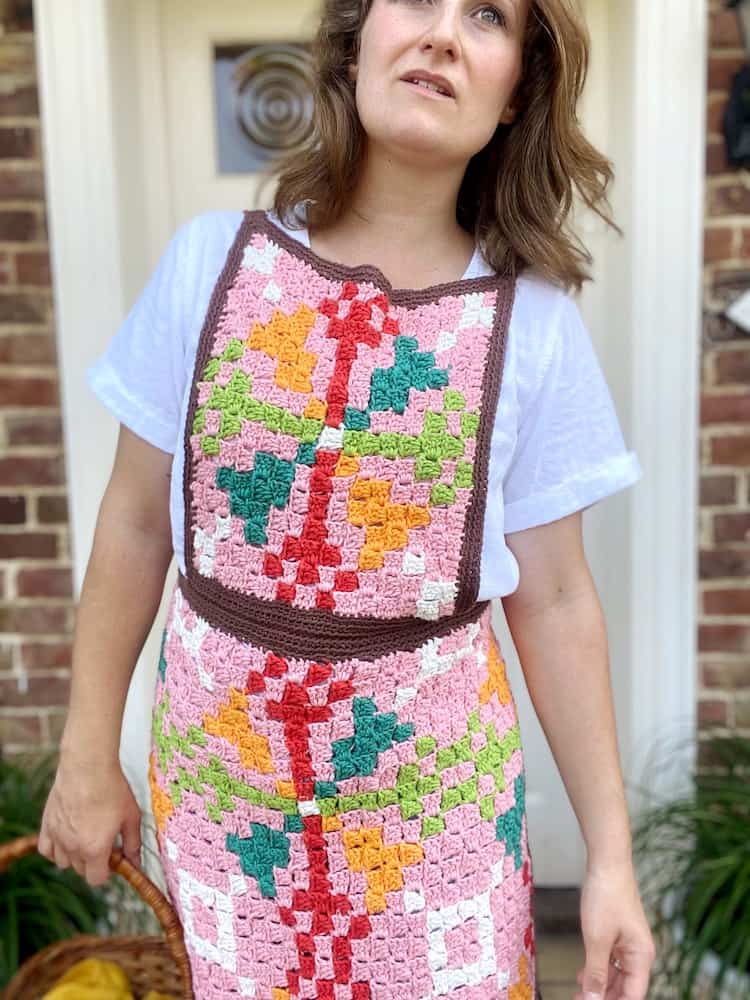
{"type": "Point", "coordinates": [336, 769]}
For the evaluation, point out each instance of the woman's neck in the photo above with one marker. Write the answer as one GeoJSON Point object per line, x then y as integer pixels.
{"type": "Point", "coordinates": [403, 221]}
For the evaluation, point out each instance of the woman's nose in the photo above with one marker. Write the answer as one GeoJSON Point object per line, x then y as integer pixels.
{"type": "Point", "coordinates": [442, 34]}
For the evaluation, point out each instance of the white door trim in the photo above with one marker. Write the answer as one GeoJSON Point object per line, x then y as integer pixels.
{"type": "Point", "coordinates": [77, 47]}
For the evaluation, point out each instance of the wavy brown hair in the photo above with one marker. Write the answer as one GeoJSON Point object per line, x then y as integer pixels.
{"type": "Point", "coordinates": [517, 192]}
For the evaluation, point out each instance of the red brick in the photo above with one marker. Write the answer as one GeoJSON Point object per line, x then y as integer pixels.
{"type": "Point", "coordinates": [12, 510]}
{"type": "Point", "coordinates": [717, 160]}
{"type": "Point", "coordinates": [731, 198]}
{"type": "Point", "coordinates": [722, 69]}
{"type": "Point", "coordinates": [25, 729]}
{"type": "Point", "coordinates": [16, 53]}
{"type": "Point", "coordinates": [731, 601]}
{"type": "Point", "coordinates": [19, 225]}
{"type": "Point", "coordinates": [35, 619]}
{"type": "Point", "coordinates": [724, 638]}
{"type": "Point", "coordinates": [28, 391]}
{"type": "Point", "coordinates": [732, 527]}
{"type": "Point", "coordinates": [712, 712]}
{"type": "Point", "coordinates": [724, 30]}
{"type": "Point", "coordinates": [51, 581]}
{"type": "Point", "coordinates": [717, 244]}
{"type": "Point", "coordinates": [715, 111]}
{"type": "Point", "coordinates": [731, 450]}
{"type": "Point", "coordinates": [28, 545]}
{"type": "Point", "coordinates": [18, 142]}
{"type": "Point", "coordinates": [37, 428]}
{"type": "Point", "coordinates": [729, 675]}
{"type": "Point", "coordinates": [716, 491]}
{"type": "Point", "coordinates": [734, 409]}
{"type": "Point", "coordinates": [21, 307]}
{"type": "Point", "coordinates": [32, 470]}
{"type": "Point", "coordinates": [733, 368]}
{"type": "Point", "coordinates": [28, 349]}
{"type": "Point", "coordinates": [33, 268]}
{"type": "Point", "coordinates": [20, 182]}
{"type": "Point", "coordinates": [7, 269]}
{"type": "Point", "coordinates": [722, 563]}
{"type": "Point", "coordinates": [52, 509]}
{"type": "Point", "coordinates": [46, 655]}
{"type": "Point", "coordinates": [19, 97]}
{"type": "Point", "coordinates": [42, 690]}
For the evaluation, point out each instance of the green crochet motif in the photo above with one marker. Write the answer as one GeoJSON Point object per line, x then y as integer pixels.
{"type": "Point", "coordinates": [168, 744]}
{"type": "Point", "coordinates": [226, 789]}
{"type": "Point", "coordinates": [253, 493]}
{"type": "Point", "coordinates": [235, 403]}
{"type": "Point", "coordinates": [373, 733]}
{"type": "Point", "coordinates": [429, 447]}
{"type": "Point", "coordinates": [412, 786]}
{"type": "Point", "coordinates": [261, 852]}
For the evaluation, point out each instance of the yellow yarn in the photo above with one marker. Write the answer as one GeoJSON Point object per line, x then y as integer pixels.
{"type": "Point", "coordinates": [96, 979]}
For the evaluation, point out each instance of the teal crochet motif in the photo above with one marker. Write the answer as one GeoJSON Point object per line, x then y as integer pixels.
{"type": "Point", "coordinates": [253, 493]}
{"type": "Point", "coordinates": [261, 852]}
{"type": "Point", "coordinates": [373, 734]}
{"type": "Point", "coordinates": [389, 387]}
{"type": "Point", "coordinates": [509, 826]}
{"type": "Point", "coordinates": [162, 660]}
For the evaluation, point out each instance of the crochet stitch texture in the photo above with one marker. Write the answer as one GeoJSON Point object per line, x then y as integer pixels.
{"type": "Point", "coordinates": [336, 767]}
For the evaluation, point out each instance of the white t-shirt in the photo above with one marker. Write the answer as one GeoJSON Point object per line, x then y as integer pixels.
{"type": "Point", "coordinates": [556, 444]}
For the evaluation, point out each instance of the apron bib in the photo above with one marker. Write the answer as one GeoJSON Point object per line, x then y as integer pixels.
{"type": "Point", "coordinates": [336, 768]}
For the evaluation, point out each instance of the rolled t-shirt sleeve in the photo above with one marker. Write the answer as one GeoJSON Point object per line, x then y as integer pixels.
{"type": "Point", "coordinates": [570, 452]}
{"type": "Point", "coordinates": [140, 375]}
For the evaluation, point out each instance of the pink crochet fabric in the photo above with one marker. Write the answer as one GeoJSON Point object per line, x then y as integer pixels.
{"type": "Point", "coordinates": [336, 764]}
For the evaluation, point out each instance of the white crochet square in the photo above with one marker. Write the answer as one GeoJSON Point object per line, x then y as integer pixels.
{"type": "Point", "coordinates": [331, 438]}
{"type": "Point", "coordinates": [272, 292]}
{"type": "Point", "coordinates": [261, 261]}
{"type": "Point", "coordinates": [224, 951]}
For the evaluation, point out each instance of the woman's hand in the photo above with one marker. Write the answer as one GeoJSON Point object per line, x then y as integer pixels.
{"type": "Point", "coordinates": [89, 804]}
{"type": "Point", "coordinates": [614, 925]}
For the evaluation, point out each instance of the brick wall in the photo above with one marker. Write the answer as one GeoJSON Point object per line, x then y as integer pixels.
{"type": "Point", "coordinates": [36, 608]}
{"type": "Point", "coordinates": [724, 622]}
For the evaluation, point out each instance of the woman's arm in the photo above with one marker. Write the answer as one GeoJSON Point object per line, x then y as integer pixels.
{"type": "Point", "coordinates": [120, 595]}
{"type": "Point", "coordinates": [558, 628]}
{"type": "Point", "coordinates": [91, 801]}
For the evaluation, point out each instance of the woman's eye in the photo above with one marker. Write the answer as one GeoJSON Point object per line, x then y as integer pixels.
{"type": "Point", "coordinates": [496, 16]}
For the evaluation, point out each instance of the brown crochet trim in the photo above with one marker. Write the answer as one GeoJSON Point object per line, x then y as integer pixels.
{"type": "Point", "coordinates": [312, 633]}
{"type": "Point", "coordinates": [215, 309]}
{"type": "Point", "coordinates": [471, 551]}
{"type": "Point", "coordinates": [368, 272]}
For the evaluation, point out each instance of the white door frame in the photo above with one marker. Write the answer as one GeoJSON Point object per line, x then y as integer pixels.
{"type": "Point", "coordinates": [94, 223]}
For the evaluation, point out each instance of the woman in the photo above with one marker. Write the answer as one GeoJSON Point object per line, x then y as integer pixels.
{"type": "Point", "coordinates": [379, 408]}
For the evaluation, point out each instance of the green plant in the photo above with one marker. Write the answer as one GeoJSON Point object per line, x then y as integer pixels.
{"type": "Point", "coordinates": [695, 853]}
{"type": "Point", "coordinates": [41, 903]}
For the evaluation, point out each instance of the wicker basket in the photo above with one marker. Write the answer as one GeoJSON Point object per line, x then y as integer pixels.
{"type": "Point", "coordinates": [149, 962]}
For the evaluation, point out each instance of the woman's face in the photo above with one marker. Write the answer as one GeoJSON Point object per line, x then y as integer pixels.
{"type": "Point", "coordinates": [473, 46]}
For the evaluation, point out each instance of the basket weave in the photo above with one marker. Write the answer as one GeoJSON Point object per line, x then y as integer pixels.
{"type": "Point", "coordinates": [149, 962]}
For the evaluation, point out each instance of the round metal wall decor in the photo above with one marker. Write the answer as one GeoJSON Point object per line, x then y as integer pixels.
{"type": "Point", "coordinates": [264, 103]}
{"type": "Point", "coordinates": [273, 99]}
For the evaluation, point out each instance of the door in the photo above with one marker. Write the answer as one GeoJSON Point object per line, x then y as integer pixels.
{"type": "Point", "coordinates": [201, 47]}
